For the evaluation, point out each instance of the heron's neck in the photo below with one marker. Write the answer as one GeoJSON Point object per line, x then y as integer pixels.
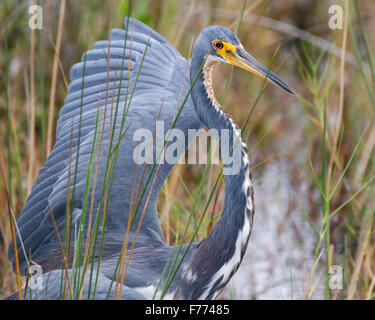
{"type": "Point", "coordinates": [221, 253]}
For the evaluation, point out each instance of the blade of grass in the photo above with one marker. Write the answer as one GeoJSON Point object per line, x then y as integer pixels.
{"type": "Point", "coordinates": [30, 173]}
{"type": "Point", "coordinates": [54, 77]}
{"type": "Point", "coordinates": [11, 223]}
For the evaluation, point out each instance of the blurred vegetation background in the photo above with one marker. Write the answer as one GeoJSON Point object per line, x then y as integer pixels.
{"type": "Point", "coordinates": [312, 155]}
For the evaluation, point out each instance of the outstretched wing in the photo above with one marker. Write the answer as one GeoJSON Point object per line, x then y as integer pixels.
{"type": "Point", "coordinates": [117, 88]}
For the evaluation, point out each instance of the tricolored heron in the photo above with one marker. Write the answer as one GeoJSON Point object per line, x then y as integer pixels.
{"type": "Point", "coordinates": [140, 66]}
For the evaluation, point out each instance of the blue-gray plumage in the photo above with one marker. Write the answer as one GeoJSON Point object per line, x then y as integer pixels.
{"type": "Point", "coordinates": [164, 81]}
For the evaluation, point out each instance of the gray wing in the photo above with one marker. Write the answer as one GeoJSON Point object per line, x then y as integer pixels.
{"type": "Point", "coordinates": [50, 287]}
{"type": "Point", "coordinates": [162, 80]}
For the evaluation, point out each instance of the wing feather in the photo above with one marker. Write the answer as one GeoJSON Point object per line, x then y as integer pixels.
{"type": "Point", "coordinates": [162, 75]}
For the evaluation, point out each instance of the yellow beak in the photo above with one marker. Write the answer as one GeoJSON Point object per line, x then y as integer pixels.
{"type": "Point", "coordinates": [241, 58]}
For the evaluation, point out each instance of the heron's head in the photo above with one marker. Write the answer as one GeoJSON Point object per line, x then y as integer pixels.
{"type": "Point", "coordinates": [218, 43]}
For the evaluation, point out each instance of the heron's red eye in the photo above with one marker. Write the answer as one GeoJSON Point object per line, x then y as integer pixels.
{"type": "Point", "coordinates": [218, 44]}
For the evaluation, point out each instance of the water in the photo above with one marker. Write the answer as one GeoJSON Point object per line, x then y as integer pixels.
{"type": "Point", "coordinates": [279, 258]}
